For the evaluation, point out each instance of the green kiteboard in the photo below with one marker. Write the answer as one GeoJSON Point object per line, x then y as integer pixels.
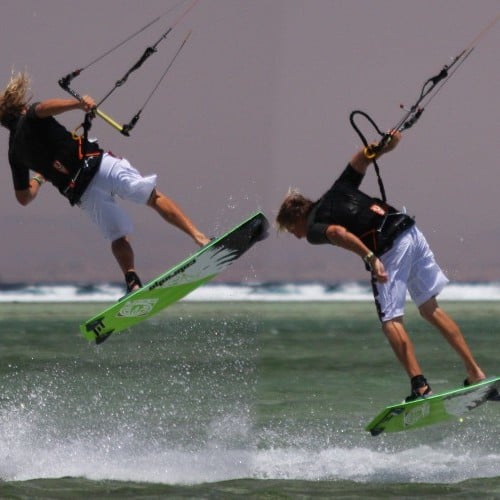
{"type": "Point", "coordinates": [435, 409]}
{"type": "Point", "coordinates": [178, 281]}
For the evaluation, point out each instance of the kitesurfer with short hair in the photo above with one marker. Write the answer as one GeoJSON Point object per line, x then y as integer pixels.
{"type": "Point", "coordinates": [392, 248]}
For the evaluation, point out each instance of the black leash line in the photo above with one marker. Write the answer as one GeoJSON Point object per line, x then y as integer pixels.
{"type": "Point", "coordinates": [428, 91]}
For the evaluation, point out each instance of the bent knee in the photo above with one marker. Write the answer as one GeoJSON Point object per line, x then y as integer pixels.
{"type": "Point", "coordinates": [391, 324]}
{"type": "Point", "coordinates": [429, 308]}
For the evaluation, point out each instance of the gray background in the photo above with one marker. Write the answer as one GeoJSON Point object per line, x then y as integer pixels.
{"type": "Point", "coordinates": [258, 101]}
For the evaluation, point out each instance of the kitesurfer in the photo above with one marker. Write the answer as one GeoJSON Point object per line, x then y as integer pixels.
{"type": "Point", "coordinates": [392, 248]}
{"type": "Point", "coordinates": [81, 171]}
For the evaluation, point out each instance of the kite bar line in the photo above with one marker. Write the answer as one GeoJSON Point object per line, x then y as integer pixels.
{"type": "Point", "coordinates": [431, 87]}
{"type": "Point", "coordinates": [429, 90]}
{"type": "Point", "coordinates": [65, 81]}
{"type": "Point", "coordinates": [147, 53]}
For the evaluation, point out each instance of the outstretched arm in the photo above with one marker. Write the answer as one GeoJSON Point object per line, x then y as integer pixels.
{"type": "Point", "coordinates": [362, 159]}
{"type": "Point", "coordinates": [340, 236]}
{"type": "Point", "coordinates": [51, 107]}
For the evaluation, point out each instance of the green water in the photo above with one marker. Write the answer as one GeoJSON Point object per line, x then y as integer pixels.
{"type": "Point", "coordinates": [222, 400]}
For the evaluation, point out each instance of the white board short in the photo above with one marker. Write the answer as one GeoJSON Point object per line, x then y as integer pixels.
{"type": "Point", "coordinates": [116, 177]}
{"type": "Point", "coordinates": [412, 268]}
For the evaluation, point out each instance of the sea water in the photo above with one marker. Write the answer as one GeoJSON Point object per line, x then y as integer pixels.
{"type": "Point", "coordinates": [223, 399]}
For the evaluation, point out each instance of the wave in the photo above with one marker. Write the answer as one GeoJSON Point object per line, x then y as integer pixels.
{"type": "Point", "coordinates": [215, 292]}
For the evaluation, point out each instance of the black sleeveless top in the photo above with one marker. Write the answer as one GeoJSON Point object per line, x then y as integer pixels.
{"type": "Point", "coordinates": [376, 223]}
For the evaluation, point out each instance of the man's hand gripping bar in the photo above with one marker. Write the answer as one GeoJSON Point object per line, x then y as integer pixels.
{"type": "Point", "coordinates": [64, 83]}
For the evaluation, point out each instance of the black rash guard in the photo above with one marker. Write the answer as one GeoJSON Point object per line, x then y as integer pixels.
{"type": "Point", "coordinates": [36, 143]}
{"type": "Point", "coordinates": [376, 223]}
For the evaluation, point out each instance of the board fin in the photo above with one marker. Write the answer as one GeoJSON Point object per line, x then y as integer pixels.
{"type": "Point", "coordinates": [494, 395]}
{"type": "Point", "coordinates": [99, 339]}
{"type": "Point", "coordinates": [96, 326]}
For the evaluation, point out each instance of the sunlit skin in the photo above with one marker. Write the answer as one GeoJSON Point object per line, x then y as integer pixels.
{"type": "Point", "coordinates": [394, 329]}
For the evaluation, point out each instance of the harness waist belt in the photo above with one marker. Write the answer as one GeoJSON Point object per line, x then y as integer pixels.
{"type": "Point", "coordinates": [395, 225]}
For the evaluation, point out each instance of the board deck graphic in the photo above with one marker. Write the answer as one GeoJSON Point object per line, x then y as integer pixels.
{"type": "Point", "coordinates": [177, 282]}
{"type": "Point", "coordinates": [434, 409]}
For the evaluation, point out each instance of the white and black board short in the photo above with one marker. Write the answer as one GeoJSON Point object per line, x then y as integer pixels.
{"type": "Point", "coordinates": [116, 177]}
{"type": "Point", "coordinates": [412, 268]}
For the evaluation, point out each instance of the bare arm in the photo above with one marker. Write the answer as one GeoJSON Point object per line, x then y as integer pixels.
{"type": "Point", "coordinates": [26, 196]}
{"type": "Point", "coordinates": [51, 107]}
{"type": "Point", "coordinates": [340, 236]}
{"type": "Point", "coordinates": [361, 160]}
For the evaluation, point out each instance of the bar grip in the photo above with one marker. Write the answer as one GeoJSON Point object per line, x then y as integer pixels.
{"type": "Point", "coordinates": [109, 120]}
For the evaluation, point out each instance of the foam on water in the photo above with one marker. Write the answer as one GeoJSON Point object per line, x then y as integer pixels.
{"type": "Point", "coordinates": [34, 450]}
{"type": "Point", "coordinates": [268, 292]}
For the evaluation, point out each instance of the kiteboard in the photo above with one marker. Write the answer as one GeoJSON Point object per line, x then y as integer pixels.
{"type": "Point", "coordinates": [177, 282]}
{"type": "Point", "coordinates": [435, 409]}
